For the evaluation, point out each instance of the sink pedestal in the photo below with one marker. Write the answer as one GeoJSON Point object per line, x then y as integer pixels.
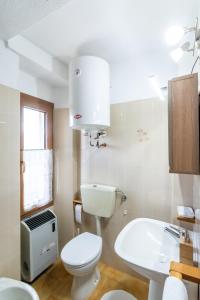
{"type": "Point", "coordinates": [155, 290]}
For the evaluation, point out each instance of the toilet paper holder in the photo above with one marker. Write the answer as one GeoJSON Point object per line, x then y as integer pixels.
{"type": "Point", "coordinates": [123, 195]}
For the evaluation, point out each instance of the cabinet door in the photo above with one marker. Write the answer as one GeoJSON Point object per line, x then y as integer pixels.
{"type": "Point", "coordinates": [184, 125]}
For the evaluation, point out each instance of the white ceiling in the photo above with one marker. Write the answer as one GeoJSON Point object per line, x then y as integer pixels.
{"type": "Point", "coordinates": [112, 29]}
{"type": "Point", "coordinates": [17, 15]}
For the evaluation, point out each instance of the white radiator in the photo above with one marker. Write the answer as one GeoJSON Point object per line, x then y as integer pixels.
{"type": "Point", "coordinates": [39, 244]}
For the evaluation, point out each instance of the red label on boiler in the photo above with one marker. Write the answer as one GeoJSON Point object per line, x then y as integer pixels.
{"type": "Point", "coordinates": [77, 116]}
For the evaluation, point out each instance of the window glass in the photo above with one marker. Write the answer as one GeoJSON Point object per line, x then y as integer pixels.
{"type": "Point", "coordinates": [38, 177]}
{"type": "Point", "coordinates": [34, 129]}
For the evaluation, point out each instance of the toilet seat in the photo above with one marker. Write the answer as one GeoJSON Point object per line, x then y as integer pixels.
{"type": "Point", "coordinates": [82, 250]}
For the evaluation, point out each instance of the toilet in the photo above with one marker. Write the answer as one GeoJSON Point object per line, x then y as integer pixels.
{"type": "Point", "coordinates": [80, 256]}
{"type": "Point", "coordinates": [118, 295]}
{"type": "Point", "coordinates": [174, 288]}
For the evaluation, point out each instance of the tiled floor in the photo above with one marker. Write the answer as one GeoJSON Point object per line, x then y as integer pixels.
{"type": "Point", "coordinates": [55, 284]}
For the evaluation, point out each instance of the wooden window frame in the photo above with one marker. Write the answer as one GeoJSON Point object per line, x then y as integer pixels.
{"type": "Point", "coordinates": [27, 101]}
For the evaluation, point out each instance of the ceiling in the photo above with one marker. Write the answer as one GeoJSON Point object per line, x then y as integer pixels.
{"type": "Point", "coordinates": [17, 15]}
{"type": "Point", "coordinates": [112, 29]}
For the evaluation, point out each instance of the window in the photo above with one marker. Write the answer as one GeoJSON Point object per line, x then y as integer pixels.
{"type": "Point", "coordinates": [34, 124]}
{"type": "Point", "coordinates": [36, 154]}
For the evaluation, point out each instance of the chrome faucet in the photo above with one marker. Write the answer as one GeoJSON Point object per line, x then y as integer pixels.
{"type": "Point", "coordinates": [173, 231]}
{"type": "Point", "coordinates": [178, 232]}
{"type": "Point", "coordinates": [186, 236]}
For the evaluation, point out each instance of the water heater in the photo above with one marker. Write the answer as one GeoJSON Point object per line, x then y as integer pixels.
{"type": "Point", "coordinates": [89, 86]}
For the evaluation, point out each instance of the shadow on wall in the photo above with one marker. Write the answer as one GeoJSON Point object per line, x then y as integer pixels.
{"type": "Point", "coordinates": [186, 183]}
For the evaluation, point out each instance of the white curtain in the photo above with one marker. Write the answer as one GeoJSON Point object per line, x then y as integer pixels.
{"type": "Point", "coordinates": [38, 178]}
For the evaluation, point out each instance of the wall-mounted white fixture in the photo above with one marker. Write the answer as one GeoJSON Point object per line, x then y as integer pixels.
{"type": "Point", "coordinates": [155, 85]}
{"type": "Point", "coordinates": [174, 36]}
{"type": "Point", "coordinates": [123, 195]}
{"type": "Point", "coordinates": [99, 201]}
{"type": "Point", "coordinates": [89, 92]}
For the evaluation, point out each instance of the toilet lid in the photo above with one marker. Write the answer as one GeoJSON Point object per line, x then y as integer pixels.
{"type": "Point", "coordinates": [81, 249]}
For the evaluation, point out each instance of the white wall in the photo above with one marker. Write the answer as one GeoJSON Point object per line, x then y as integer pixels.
{"type": "Point", "coordinates": [9, 68]}
{"type": "Point", "coordinates": [12, 76]}
{"type": "Point", "coordinates": [129, 79]}
{"type": "Point", "coordinates": [60, 97]}
{"type": "Point", "coordinates": [198, 9]}
{"type": "Point", "coordinates": [34, 86]}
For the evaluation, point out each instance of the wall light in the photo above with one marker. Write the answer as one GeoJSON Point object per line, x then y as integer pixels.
{"type": "Point", "coordinates": [177, 54]}
{"type": "Point", "coordinates": [154, 83]}
{"type": "Point", "coordinates": [174, 36]}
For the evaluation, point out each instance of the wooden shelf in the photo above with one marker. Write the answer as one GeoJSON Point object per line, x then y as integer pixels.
{"type": "Point", "coordinates": [188, 220]}
{"type": "Point", "coordinates": [183, 271]}
{"type": "Point", "coordinates": [77, 201]}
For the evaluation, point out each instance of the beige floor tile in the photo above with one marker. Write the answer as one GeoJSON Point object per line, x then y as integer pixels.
{"type": "Point", "coordinates": [55, 283]}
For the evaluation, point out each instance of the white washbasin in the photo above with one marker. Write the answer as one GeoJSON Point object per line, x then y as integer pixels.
{"type": "Point", "coordinates": [11, 289]}
{"type": "Point", "coordinates": [148, 249]}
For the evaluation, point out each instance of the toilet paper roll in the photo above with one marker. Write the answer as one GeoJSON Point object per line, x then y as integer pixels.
{"type": "Point", "coordinates": [78, 211]}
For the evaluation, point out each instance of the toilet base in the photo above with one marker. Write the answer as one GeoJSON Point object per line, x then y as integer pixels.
{"type": "Point", "coordinates": [83, 286]}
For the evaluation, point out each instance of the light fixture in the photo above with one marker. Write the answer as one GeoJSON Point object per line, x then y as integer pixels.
{"type": "Point", "coordinates": [177, 54]}
{"type": "Point", "coordinates": [154, 83]}
{"type": "Point", "coordinates": [174, 35]}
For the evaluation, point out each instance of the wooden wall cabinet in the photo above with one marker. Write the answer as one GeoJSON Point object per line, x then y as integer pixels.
{"type": "Point", "coordinates": [184, 125]}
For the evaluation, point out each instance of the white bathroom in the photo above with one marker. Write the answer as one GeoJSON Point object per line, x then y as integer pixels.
{"type": "Point", "coordinates": [99, 150]}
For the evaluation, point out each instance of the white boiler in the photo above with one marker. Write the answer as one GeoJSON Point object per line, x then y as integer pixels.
{"type": "Point", "coordinates": [89, 91]}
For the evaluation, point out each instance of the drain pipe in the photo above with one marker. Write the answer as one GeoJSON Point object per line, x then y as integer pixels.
{"type": "Point", "coordinates": [98, 225]}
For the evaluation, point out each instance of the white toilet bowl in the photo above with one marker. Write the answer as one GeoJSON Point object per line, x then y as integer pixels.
{"type": "Point", "coordinates": [80, 257]}
{"type": "Point", "coordinates": [118, 295]}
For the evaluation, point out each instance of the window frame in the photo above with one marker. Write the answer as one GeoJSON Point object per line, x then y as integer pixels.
{"type": "Point", "coordinates": [27, 101]}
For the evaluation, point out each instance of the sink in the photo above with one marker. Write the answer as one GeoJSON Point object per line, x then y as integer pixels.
{"type": "Point", "coordinates": [148, 249]}
{"type": "Point", "coordinates": [11, 289]}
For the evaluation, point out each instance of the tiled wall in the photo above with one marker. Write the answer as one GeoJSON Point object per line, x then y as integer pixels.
{"type": "Point", "coordinates": [136, 161]}
{"type": "Point", "coordinates": [9, 182]}
{"type": "Point", "coordinates": [64, 178]}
